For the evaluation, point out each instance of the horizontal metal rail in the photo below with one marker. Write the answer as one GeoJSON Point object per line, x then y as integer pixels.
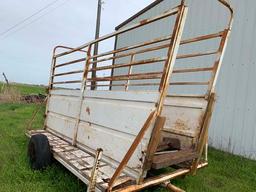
{"type": "Point", "coordinates": [138, 52]}
{"type": "Point", "coordinates": [65, 47]}
{"type": "Point", "coordinates": [197, 54]}
{"type": "Point", "coordinates": [154, 41]}
{"type": "Point", "coordinates": [190, 83]}
{"type": "Point", "coordinates": [141, 62]}
{"type": "Point", "coordinates": [158, 40]}
{"type": "Point", "coordinates": [137, 76]}
{"type": "Point", "coordinates": [192, 70]}
{"type": "Point", "coordinates": [67, 82]}
{"type": "Point", "coordinates": [68, 73]}
{"type": "Point", "coordinates": [187, 41]}
{"type": "Point", "coordinates": [186, 95]}
{"type": "Point", "coordinates": [147, 50]}
{"type": "Point", "coordinates": [133, 53]}
{"type": "Point", "coordinates": [70, 62]}
{"type": "Point", "coordinates": [202, 38]}
{"type": "Point", "coordinates": [151, 84]}
{"type": "Point", "coordinates": [141, 23]}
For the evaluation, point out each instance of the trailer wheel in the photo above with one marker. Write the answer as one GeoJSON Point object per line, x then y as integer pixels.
{"type": "Point", "coordinates": [39, 152]}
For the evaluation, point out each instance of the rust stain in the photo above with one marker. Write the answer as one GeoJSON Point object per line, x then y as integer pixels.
{"type": "Point", "coordinates": [200, 123]}
{"type": "Point", "coordinates": [137, 167]}
{"type": "Point", "coordinates": [181, 124]}
{"type": "Point", "coordinates": [201, 119]}
{"type": "Point", "coordinates": [143, 21]}
{"type": "Point", "coordinates": [88, 110]}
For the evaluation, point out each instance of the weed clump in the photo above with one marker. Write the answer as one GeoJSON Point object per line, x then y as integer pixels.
{"type": "Point", "coordinates": [9, 94]}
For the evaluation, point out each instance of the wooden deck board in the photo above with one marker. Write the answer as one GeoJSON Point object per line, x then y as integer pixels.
{"type": "Point", "coordinates": [81, 161]}
{"type": "Point", "coordinates": [172, 158]}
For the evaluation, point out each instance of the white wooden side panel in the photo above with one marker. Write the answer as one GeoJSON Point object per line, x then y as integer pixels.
{"type": "Point", "coordinates": [146, 96]}
{"type": "Point", "coordinates": [191, 102]}
{"type": "Point", "coordinates": [114, 144]}
{"type": "Point", "coordinates": [110, 121]}
{"type": "Point", "coordinates": [64, 105]}
{"type": "Point", "coordinates": [123, 116]}
{"type": "Point", "coordinates": [61, 124]}
{"type": "Point", "coordinates": [126, 117]}
{"type": "Point", "coordinates": [184, 115]}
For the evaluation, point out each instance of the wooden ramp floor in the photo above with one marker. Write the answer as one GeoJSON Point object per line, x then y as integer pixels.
{"type": "Point", "coordinates": [173, 158]}
{"type": "Point", "coordinates": [80, 163]}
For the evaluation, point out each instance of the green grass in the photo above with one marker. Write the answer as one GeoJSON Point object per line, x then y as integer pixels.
{"type": "Point", "coordinates": [15, 174]}
{"type": "Point", "coordinates": [27, 89]}
{"type": "Point", "coordinates": [225, 172]}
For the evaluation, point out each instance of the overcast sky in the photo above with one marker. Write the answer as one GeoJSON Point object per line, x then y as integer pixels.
{"type": "Point", "coordinates": [25, 51]}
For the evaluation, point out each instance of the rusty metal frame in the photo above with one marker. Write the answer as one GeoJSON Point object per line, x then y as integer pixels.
{"type": "Point", "coordinates": [173, 43]}
{"type": "Point", "coordinates": [159, 179]}
{"type": "Point", "coordinates": [94, 58]}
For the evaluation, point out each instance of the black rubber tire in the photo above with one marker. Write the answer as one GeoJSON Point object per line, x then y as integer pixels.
{"type": "Point", "coordinates": [39, 152]}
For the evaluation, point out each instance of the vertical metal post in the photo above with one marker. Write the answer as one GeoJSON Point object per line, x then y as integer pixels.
{"type": "Point", "coordinates": [218, 62]}
{"type": "Point", "coordinates": [96, 45]}
{"type": "Point", "coordinates": [129, 73]}
{"type": "Point", "coordinates": [95, 170]}
{"type": "Point", "coordinates": [172, 54]}
{"type": "Point", "coordinates": [113, 63]}
{"type": "Point", "coordinates": [204, 132]}
{"type": "Point", "coordinates": [50, 86]}
{"type": "Point", "coordinates": [167, 72]}
{"type": "Point", "coordinates": [206, 151]}
{"type": "Point", "coordinates": [83, 87]}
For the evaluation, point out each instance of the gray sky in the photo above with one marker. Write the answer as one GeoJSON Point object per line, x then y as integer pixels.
{"type": "Point", "coordinates": [25, 51]}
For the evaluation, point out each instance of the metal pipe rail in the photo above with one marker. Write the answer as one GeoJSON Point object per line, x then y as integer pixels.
{"type": "Point", "coordinates": [110, 54]}
{"type": "Point", "coordinates": [171, 43]}
{"type": "Point", "coordinates": [140, 24]}
{"type": "Point", "coordinates": [139, 62]}
{"type": "Point", "coordinates": [115, 54]}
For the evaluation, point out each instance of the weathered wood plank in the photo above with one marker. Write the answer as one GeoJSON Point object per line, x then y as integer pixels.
{"type": "Point", "coordinates": [154, 141]}
{"type": "Point", "coordinates": [172, 158]}
{"type": "Point", "coordinates": [81, 162]}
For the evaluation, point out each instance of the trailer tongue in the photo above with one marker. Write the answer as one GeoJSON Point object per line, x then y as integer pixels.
{"type": "Point", "coordinates": [114, 136]}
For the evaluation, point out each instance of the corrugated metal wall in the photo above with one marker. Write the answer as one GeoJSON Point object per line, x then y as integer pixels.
{"type": "Point", "coordinates": [233, 127]}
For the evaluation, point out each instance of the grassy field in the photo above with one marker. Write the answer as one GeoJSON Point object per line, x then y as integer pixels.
{"type": "Point", "coordinates": [225, 172]}
{"type": "Point", "coordinates": [27, 89]}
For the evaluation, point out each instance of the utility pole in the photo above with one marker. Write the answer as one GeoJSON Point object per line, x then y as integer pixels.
{"type": "Point", "coordinates": [6, 80]}
{"type": "Point", "coordinates": [96, 46]}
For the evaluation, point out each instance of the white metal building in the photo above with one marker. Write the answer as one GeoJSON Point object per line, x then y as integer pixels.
{"type": "Point", "coordinates": [233, 127]}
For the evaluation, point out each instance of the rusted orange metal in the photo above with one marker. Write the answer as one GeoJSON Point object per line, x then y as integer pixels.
{"type": "Point", "coordinates": [104, 79]}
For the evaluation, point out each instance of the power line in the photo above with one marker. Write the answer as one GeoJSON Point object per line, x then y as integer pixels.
{"type": "Point", "coordinates": [33, 21]}
{"type": "Point", "coordinates": [29, 17]}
